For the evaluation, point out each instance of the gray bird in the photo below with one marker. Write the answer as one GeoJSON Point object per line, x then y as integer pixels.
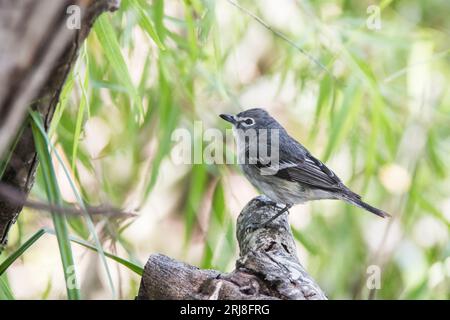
{"type": "Point", "coordinates": [297, 176]}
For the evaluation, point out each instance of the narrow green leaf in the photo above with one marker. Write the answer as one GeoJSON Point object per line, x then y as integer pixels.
{"type": "Point", "coordinates": [89, 221]}
{"type": "Point", "coordinates": [434, 155]}
{"type": "Point", "coordinates": [326, 91]}
{"type": "Point", "coordinates": [147, 25]}
{"type": "Point", "coordinates": [216, 224]}
{"type": "Point", "coordinates": [25, 246]}
{"type": "Point", "coordinates": [48, 289]}
{"type": "Point", "coordinates": [79, 121]}
{"type": "Point", "coordinates": [191, 30]}
{"type": "Point", "coordinates": [344, 120]}
{"type": "Point", "coordinates": [64, 99]}
{"type": "Point", "coordinates": [310, 246]}
{"type": "Point", "coordinates": [108, 40]}
{"type": "Point", "coordinates": [5, 290]}
{"type": "Point", "coordinates": [429, 207]}
{"type": "Point", "coordinates": [169, 116]}
{"type": "Point", "coordinates": [16, 254]}
{"type": "Point", "coordinates": [54, 197]}
{"type": "Point", "coordinates": [375, 114]}
{"type": "Point", "coordinates": [130, 265]}
{"type": "Point", "coordinates": [197, 187]}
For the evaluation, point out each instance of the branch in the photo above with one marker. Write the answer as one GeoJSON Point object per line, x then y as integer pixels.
{"type": "Point", "coordinates": [16, 198]}
{"type": "Point", "coordinates": [267, 267]}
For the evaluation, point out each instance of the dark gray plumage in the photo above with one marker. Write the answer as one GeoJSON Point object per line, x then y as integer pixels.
{"type": "Point", "coordinates": [298, 177]}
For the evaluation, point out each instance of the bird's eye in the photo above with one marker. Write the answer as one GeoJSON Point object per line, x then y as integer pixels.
{"type": "Point", "coordinates": [248, 122]}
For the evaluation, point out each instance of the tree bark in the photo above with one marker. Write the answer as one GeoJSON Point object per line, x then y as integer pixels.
{"type": "Point", "coordinates": [38, 50]}
{"type": "Point", "coordinates": [267, 267]}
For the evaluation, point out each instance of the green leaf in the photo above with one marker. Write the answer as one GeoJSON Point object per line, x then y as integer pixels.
{"type": "Point", "coordinates": [216, 224]}
{"type": "Point", "coordinates": [24, 247]}
{"type": "Point", "coordinates": [372, 150]}
{"type": "Point", "coordinates": [108, 40]}
{"type": "Point", "coordinates": [64, 99]}
{"type": "Point", "coordinates": [191, 30]}
{"type": "Point", "coordinates": [344, 120]}
{"type": "Point", "coordinates": [76, 135]}
{"type": "Point", "coordinates": [169, 116]}
{"type": "Point", "coordinates": [429, 207]}
{"type": "Point", "coordinates": [130, 265]}
{"type": "Point", "coordinates": [326, 92]}
{"type": "Point", "coordinates": [147, 25]}
{"type": "Point", "coordinates": [307, 243]}
{"type": "Point", "coordinates": [89, 221]}
{"type": "Point", "coordinates": [434, 155]}
{"type": "Point", "coordinates": [54, 197]}
{"type": "Point", "coordinates": [5, 290]}
{"type": "Point", "coordinates": [197, 187]}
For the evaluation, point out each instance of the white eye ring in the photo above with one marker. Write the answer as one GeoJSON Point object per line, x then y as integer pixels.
{"type": "Point", "coordinates": [247, 122]}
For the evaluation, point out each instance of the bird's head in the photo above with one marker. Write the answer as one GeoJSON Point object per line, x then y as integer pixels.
{"type": "Point", "coordinates": [255, 119]}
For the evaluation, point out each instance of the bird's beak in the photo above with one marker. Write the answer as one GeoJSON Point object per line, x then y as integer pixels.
{"type": "Point", "coordinates": [228, 117]}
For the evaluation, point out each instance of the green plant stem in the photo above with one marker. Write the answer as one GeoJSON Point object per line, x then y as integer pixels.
{"type": "Point", "coordinates": [59, 221]}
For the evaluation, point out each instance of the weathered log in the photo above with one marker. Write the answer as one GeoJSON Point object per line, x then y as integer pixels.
{"type": "Point", "coordinates": [267, 267]}
{"type": "Point", "coordinates": [37, 52]}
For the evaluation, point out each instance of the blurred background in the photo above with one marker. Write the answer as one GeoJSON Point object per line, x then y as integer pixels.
{"type": "Point", "coordinates": [364, 88]}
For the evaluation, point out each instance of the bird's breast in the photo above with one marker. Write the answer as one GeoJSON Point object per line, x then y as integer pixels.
{"type": "Point", "coordinates": [279, 190]}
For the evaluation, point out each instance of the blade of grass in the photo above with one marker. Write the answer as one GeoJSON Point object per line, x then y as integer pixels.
{"type": "Point", "coordinates": [48, 289]}
{"type": "Point", "coordinates": [198, 182]}
{"type": "Point", "coordinates": [64, 99]}
{"type": "Point", "coordinates": [307, 243]}
{"type": "Point", "coordinates": [191, 30]}
{"type": "Point", "coordinates": [24, 247]}
{"type": "Point", "coordinates": [344, 120]}
{"type": "Point", "coordinates": [207, 21]}
{"type": "Point", "coordinates": [54, 197]}
{"type": "Point", "coordinates": [80, 115]}
{"type": "Point", "coordinates": [108, 40]}
{"type": "Point", "coordinates": [324, 102]}
{"type": "Point", "coordinates": [5, 290]}
{"type": "Point", "coordinates": [215, 224]}
{"type": "Point", "coordinates": [429, 207]}
{"type": "Point", "coordinates": [226, 230]}
{"type": "Point", "coordinates": [158, 17]}
{"type": "Point", "coordinates": [376, 110]}
{"type": "Point", "coordinates": [129, 264]}
{"type": "Point", "coordinates": [147, 25]}
{"type": "Point", "coordinates": [80, 201]}
{"type": "Point", "coordinates": [169, 116]}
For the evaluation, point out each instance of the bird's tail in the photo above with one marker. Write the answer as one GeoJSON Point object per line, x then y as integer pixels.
{"type": "Point", "coordinates": [355, 199]}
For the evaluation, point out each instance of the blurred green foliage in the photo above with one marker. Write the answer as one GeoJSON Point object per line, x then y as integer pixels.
{"type": "Point", "coordinates": [380, 114]}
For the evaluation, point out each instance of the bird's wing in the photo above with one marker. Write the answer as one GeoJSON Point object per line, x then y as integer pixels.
{"type": "Point", "coordinates": [308, 170]}
{"type": "Point", "coordinates": [296, 164]}
{"type": "Point", "coordinates": [312, 172]}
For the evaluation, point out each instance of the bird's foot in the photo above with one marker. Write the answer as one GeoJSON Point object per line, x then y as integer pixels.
{"type": "Point", "coordinates": [279, 213]}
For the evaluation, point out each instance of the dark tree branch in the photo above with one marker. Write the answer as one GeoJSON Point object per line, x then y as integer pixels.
{"type": "Point", "coordinates": [14, 197]}
{"type": "Point", "coordinates": [37, 51]}
{"type": "Point", "coordinates": [267, 268]}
